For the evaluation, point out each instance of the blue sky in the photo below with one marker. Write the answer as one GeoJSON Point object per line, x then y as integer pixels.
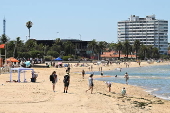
{"type": "Point", "coordinates": [92, 19]}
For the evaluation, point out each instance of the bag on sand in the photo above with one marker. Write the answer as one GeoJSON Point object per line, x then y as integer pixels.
{"type": "Point", "coordinates": [51, 78]}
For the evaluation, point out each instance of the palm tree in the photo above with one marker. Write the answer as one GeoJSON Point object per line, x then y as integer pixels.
{"type": "Point", "coordinates": [112, 46]}
{"type": "Point", "coordinates": [136, 46]}
{"type": "Point", "coordinates": [119, 47]}
{"type": "Point", "coordinates": [155, 52]}
{"type": "Point", "coordinates": [127, 47]}
{"type": "Point", "coordinates": [142, 51]}
{"type": "Point", "coordinates": [101, 46]}
{"type": "Point", "coordinates": [92, 45]}
{"type": "Point", "coordinates": [29, 25]}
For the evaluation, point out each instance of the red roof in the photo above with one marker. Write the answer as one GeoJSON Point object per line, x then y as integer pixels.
{"type": "Point", "coordinates": [114, 54]}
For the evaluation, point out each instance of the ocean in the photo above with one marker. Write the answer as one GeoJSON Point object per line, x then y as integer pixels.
{"type": "Point", "coordinates": [154, 79]}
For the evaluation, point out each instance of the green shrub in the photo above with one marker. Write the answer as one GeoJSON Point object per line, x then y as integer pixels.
{"type": "Point", "coordinates": [48, 58]}
{"type": "Point", "coordinates": [65, 58]}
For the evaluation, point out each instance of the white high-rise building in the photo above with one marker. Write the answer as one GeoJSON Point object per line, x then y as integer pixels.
{"type": "Point", "coordinates": [148, 31]}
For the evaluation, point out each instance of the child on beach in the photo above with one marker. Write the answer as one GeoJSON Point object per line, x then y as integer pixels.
{"type": "Point", "coordinates": [123, 92]}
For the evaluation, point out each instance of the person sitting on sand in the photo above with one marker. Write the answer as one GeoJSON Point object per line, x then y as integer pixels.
{"type": "Point", "coordinates": [123, 92]}
{"type": "Point", "coordinates": [109, 84]}
{"type": "Point", "coordinates": [90, 83]}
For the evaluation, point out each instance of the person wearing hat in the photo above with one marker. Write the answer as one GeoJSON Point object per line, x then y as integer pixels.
{"type": "Point", "coordinates": [90, 83]}
{"type": "Point", "coordinates": [66, 82]}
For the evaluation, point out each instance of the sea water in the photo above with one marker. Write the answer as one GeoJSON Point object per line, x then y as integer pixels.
{"type": "Point", "coordinates": [154, 79]}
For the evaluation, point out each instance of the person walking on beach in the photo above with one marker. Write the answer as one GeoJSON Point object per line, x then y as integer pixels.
{"type": "Point", "coordinates": [90, 83]}
{"type": "Point", "coordinates": [109, 84]}
{"type": "Point", "coordinates": [66, 82]}
{"type": "Point", "coordinates": [83, 73]}
{"type": "Point", "coordinates": [126, 77]}
{"type": "Point", "coordinates": [53, 79]}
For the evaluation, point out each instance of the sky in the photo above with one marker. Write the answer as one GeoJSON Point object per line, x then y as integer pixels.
{"type": "Point", "coordinates": [74, 19]}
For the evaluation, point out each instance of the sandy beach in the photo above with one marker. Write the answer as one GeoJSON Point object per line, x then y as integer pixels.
{"type": "Point", "coordinates": [28, 97]}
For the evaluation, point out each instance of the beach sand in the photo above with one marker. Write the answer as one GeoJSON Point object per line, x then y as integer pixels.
{"type": "Point", "coordinates": [39, 98]}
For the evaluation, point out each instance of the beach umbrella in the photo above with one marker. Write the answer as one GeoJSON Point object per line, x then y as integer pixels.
{"type": "Point", "coordinates": [12, 59]}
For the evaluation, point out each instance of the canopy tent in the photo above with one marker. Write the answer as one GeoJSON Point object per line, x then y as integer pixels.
{"type": "Point", "coordinates": [12, 59]}
{"type": "Point", "coordinates": [19, 71]}
{"type": "Point", "coordinates": [58, 59]}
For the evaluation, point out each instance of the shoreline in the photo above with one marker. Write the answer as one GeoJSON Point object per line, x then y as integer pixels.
{"type": "Point", "coordinates": [143, 87]}
{"type": "Point", "coordinates": [33, 97]}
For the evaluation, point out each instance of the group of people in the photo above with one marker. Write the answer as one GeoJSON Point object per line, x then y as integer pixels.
{"type": "Point", "coordinates": [66, 81]}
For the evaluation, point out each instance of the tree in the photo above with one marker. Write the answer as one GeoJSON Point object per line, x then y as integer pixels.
{"type": "Point", "coordinates": [127, 48]}
{"type": "Point", "coordinates": [101, 46]}
{"type": "Point", "coordinates": [119, 47]}
{"type": "Point", "coordinates": [112, 46]}
{"type": "Point", "coordinates": [68, 48]}
{"type": "Point", "coordinates": [29, 25]}
{"type": "Point", "coordinates": [4, 39]}
{"type": "Point", "coordinates": [142, 51]}
{"type": "Point", "coordinates": [136, 46]}
{"type": "Point", "coordinates": [92, 45]}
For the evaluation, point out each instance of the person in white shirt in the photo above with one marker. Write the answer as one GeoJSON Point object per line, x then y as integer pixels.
{"type": "Point", "coordinates": [123, 92]}
{"type": "Point", "coordinates": [109, 84]}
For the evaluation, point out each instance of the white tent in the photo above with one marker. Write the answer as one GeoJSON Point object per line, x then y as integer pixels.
{"type": "Point", "coordinates": [19, 71]}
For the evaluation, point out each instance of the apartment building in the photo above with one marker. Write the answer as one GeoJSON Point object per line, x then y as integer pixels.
{"type": "Point", "coordinates": [149, 31]}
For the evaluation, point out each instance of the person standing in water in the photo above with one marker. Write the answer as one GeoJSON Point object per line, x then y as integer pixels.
{"type": "Point", "coordinates": [126, 77]}
{"type": "Point", "coordinates": [90, 83]}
